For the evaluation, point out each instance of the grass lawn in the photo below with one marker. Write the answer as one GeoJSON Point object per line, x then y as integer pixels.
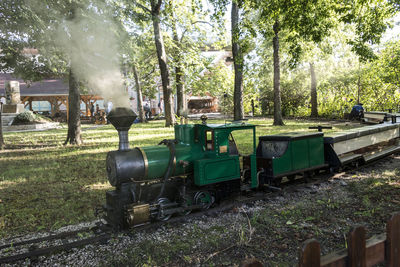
{"type": "Point", "coordinates": [45, 185]}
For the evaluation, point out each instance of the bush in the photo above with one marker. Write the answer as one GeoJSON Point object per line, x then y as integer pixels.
{"type": "Point", "coordinates": [28, 117]}
{"type": "Point", "coordinates": [25, 117]}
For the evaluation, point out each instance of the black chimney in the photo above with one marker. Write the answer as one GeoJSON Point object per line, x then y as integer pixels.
{"type": "Point", "coordinates": [122, 119]}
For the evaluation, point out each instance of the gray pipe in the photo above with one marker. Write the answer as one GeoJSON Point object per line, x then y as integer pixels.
{"type": "Point", "coordinates": [123, 140]}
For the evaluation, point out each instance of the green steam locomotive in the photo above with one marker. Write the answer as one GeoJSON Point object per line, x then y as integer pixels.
{"type": "Point", "coordinates": [202, 165]}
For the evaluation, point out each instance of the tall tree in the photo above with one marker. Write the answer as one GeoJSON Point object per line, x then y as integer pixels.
{"type": "Point", "coordinates": [314, 96]}
{"type": "Point", "coordinates": [74, 96]}
{"type": "Point", "coordinates": [138, 86]}
{"type": "Point", "coordinates": [155, 13]}
{"type": "Point", "coordinates": [297, 19]}
{"type": "Point", "coordinates": [74, 121]}
{"type": "Point", "coordinates": [179, 76]}
{"type": "Point", "coordinates": [277, 76]}
{"type": "Point", "coordinates": [162, 62]}
{"type": "Point", "coordinates": [238, 61]}
{"type": "Point", "coordinates": [191, 33]}
{"type": "Point", "coordinates": [182, 38]}
{"type": "Point", "coordinates": [1, 128]}
{"type": "Point", "coordinates": [242, 34]}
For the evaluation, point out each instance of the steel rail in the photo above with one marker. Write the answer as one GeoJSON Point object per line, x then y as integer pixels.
{"type": "Point", "coordinates": [50, 237]}
{"type": "Point", "coordinates": [53, 249]}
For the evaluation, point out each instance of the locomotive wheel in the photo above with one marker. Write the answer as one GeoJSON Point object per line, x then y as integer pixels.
{"type": "Point", "coordinates": [161, 216]}
{"type": "Point", "coordinates": [204, 198]}
{"type": "Point", "coordinates": [291, 177]}
{"type": "Point", "coordinates": [356, 164]}
{"type": "Point", "coordinates": [186, 212]}
{"type": "Point", "coordinates": [187, 202]}
{"type": "Point", "coordinates": [277, 181]}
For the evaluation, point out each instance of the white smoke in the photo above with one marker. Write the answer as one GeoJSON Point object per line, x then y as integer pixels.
{"type": "Point", "coordinates": [91, 41]}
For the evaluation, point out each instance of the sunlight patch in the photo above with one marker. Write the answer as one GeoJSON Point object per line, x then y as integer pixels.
{"type": "Point", "coordinates": [389, 173]}
{"type": "Point", "coordinates": [5, 184]}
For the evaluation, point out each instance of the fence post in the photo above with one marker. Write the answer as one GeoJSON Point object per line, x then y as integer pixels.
{"type": "Point", "coordinates": [356, 247]}
{"type": "Point", "coordinates": [392, 246]}
{"type": "Point", "coordinates": [310, 254]}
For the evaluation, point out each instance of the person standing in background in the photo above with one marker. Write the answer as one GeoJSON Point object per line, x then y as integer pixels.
{"type": "Point", "coordinates": [160, 106]}
{"type": "Point", "coordinates": [147, 111]}
{"type": "Point", "coordinates": [92, 109]}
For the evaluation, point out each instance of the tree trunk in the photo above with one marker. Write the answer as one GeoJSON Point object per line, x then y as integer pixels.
{"type": "Point", "coordinates": [1, 128]}
{"type": "Point", "coordinates": [180, 86]}
{"type": "Point", "coordinates": [142, 118]}
{"type": "Point", "coordinates": [162, 61]}
{"type": "Point", "coordinates": [314, 101]}
{"type": "Point", "coordinates": [277, 78]}
{"type": "Point", "coordinates": [238, 112]}
{"type": "Point", "coordinates": [74, 112]}
{"type": "Point", "coordinates": [359, 83]}
{"type": "Point", "coordinates": [180, 91]}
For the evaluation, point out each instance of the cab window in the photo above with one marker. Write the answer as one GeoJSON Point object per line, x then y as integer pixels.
{"type": "Point", "coordinates": [209, 140]}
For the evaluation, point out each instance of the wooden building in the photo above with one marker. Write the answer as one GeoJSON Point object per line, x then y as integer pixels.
{"type": "Point", "coordinates": [54, 91]}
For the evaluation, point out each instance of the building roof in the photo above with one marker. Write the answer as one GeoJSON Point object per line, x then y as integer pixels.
{"type": "Point", "coordinates": [50, 87]}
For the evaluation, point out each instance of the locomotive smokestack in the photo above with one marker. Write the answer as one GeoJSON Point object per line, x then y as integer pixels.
{"type": "Point", "coordinates": [122, 119]}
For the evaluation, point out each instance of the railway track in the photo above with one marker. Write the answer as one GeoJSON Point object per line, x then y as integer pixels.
{"type": "Point", "coordinates": [13, 252]}
{"type": "Point", "coordinates": [101, 233]}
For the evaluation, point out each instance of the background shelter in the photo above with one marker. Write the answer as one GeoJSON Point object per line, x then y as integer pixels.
{"type": "Point", "coordinates": [49, 96]}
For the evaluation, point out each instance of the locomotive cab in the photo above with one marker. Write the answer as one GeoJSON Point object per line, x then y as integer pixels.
{"type": "Point", "coordinates": [222, 161]}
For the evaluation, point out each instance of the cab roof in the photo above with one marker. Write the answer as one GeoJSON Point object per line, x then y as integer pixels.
{"type": "Point", "coordinates": [231, 126]}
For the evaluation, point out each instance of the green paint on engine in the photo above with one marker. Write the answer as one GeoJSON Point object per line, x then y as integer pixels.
{"type": "Point", "coordinates": [215, 170]}
{"type": "Point", "coordinates": [203, 151]}
{"type": "Point", "coordinates": [221, 160]}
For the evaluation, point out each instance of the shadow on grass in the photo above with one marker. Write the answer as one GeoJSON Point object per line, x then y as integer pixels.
{"type": "Point", "coordinates": [50, 194]}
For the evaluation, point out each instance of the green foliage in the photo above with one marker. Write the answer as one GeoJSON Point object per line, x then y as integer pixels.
{"type": "Point", "coordinates": [371, 21]}
{"type": "Point", "coordinates": [27, 25]}
{"type": "Point", "coordinates": [216, 80]}
{"type": "Point", "coordinates": [29, 117]}
{"type": "Point", "coordinates": [26, 116]}
{"type": "Point", "coordinates": [140, 51]}
{"type": "Point", "coordinates": [380, 80]}
{"type": "Point", "coordinates": [298, 20]}
{"type": "Point", "coordinates": [295, 83]}
{"type": "Point", "coordinates": [379, 84]}
{"type": "Point", "coordinates": [294, 95]}
{"type": "Point", "coordinates": [338, 94]}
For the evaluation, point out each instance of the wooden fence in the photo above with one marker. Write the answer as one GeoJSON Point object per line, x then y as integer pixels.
{"type": "Point", "coordinates": [384, 248]}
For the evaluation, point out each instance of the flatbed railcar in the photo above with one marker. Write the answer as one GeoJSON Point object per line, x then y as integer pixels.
{"type": "Point", "coordinates": [202, 165]}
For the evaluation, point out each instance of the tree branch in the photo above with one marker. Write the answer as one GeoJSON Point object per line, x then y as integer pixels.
{"type": "Point", "coordinates": [155, 7]}
{"type": "Point", "coordinates": [143, 7]}
{"type": "Point", "coordinates": [148, 74]}
{"type": "Point", "coordinates": [199, 21]}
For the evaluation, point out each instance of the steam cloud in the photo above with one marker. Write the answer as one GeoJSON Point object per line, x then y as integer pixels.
{"type": "Point", "coordinates": [91, 41]}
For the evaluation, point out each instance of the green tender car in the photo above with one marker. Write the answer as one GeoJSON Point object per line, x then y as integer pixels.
{"type": "Point", "coordinates": [289, 154]}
